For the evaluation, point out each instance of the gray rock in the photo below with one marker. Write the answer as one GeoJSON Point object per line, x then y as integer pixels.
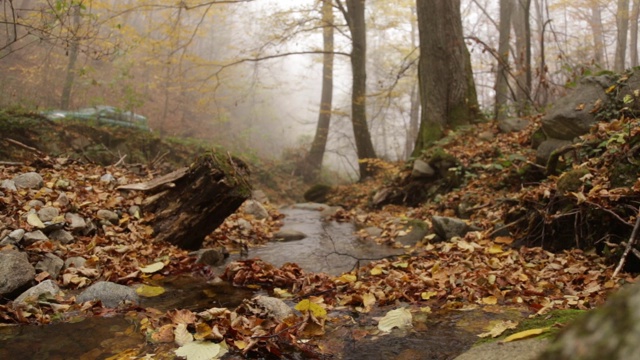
{"type": "Point", "coordinates": [610, 332]}
{"type": "Point", "coordinates": [373, 231]}
{"type": "Point", "coordinates": [447, 228]}
{"type": "Point", "coordinates": [76, 222]}
{"type": "Point", "coordinates": [110, 294]}
{"type": "Point", "coordinates": [419, 229]}
{"type": "Point", "coordinates": [289, 235]}
{"type": "Point", "coordinates": [75, 261]}
{"type": "Point", "coordinates": [15, 236]}
{"type": "Point", "coordinates": [421, 169]}
{"type": "Point", "coordinates": [30, 180]}
{"type": "Point", "coordinates": [273, 307]}
{"type": "Point", "coordinates": [244, 224]}
{"type": "Point", "coordinates": [310, 206]}
{"type": "Point", "coordinates": [211, 257]}
{"type": "Point", "coordinates": [51, 264]}
{"type": "Point", "coordinates": [31, 295]}
{"type": "Point", "coordinates": [513, 125]}
{"type": "Point", "coordinates": [33, 237]}
{"type": "Point", "coordinates": [257, 210]}
{"type": "Point", "coordinates": [547, 147]}
{"type": "Point", "coordinates": [35, 204]}
{"type": "Point", "coordinates": [259, 196]}
{"type": "Point", "coordinates": [135, 211]}
{"type": "Point", "coordinates": [48, 213]}
{"type": "Point", "coordinates": [330, 211]}
{"type": "Point", "coordinates": [62, 199]}
{"type": "Point", "coordinates": [108, 215]}
{"type": "Point", "coordinates": [528, 349]}
{"type": "Point", "coordinates": [107, 178]}
{"type": "Point", "coordinates": [62, 184]}
{"type": "Point", "coordinates": [486, 136]}
{"type": "Point", "coordinates": [63, 236]}
{"type": "Point", "coordinates": [8, 185]}
{"type": "Point", "coordinates": [15, 271]}
{"type": "Point", "coordinates": [572, 115]}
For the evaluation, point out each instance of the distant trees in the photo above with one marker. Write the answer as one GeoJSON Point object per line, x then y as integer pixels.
{"type": "Point", "coordinates": [447, 88]}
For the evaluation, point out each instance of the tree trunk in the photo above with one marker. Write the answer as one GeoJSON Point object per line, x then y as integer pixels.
{"type": "Point", "coordinates": [357, 27]}
{"type": "Point", "coordinates": [73, 57]}
{"type": "Point", "coordinates": [310, 169]}
{"type": "Point", "coordinates": [598, 37]}
{"type": "Point", "coordinates": [520, 21]}
{"type": "Point", "coordinates": [447, 89]}
{"type": "Point", "coordinates": [197, 199]}
{"type": "Point", "coordinates": [414, 111]}
{"type": "Point", "coordinates": [502, 76]}
{"type": "Point", "coordinates": [622, 20]}
{"type": "Point", "coordinates": [633, 29]}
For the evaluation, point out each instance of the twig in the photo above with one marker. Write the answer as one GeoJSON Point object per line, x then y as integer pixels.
{"type": "Point", "coordinates": [279, 332]}
{"type": "Point", "coordinates": [120, 161]}
{"type": "Point", "coordinates": [633, 250]}
{"type": "Point", "coordinates": [11, 163]}
{"type": "Point", "coordinates": [18, 143]}
{"type": "Point", "coordinates": [632, 241]}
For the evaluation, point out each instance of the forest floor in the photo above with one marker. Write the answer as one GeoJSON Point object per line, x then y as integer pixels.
{"type": "Point", "coordinates": [479, 270]}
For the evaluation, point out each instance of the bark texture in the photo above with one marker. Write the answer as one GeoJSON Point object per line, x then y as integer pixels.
{"type": "Point", "coordinates": [502, 76]}
{"type": "Point", "coordinates": [622, 20]}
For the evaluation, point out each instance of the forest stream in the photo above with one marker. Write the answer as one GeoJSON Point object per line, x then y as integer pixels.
{"type": "Point", "coordinates": [440, 335]}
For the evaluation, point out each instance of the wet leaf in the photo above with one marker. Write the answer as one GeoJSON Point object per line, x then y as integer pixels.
{"type": "Point", "coordinates": [150, 291]}
{"type": "Point", "coordinates": [198, 350]}
{"type": "Point", "coordinates": [499, 328]}
{"type": "Point", "coordinates": [347, 278]}
{"type": "Point", "coordinates": [163, 335]}
{"type": "Point", "coordinates": [400, 318]}
{"type": "Point", "coordinates": [306, 305]}
{"type": "Point", "coordinates": [426, 295]}
{"type": "Point", "coordinates": [490, 300]}
{"type": "Point", "coordinates": [526, 334]}
{"type": "Point", "coordinates": [181, 335]}
{"type": "Point", "coordinates": [152, 268]}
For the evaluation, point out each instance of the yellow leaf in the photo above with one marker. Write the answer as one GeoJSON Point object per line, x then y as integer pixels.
{"type": "Point", "coordinates": [503, 240]}
{"type": "Point", "coordinates": [306, 305]}
{"type": "Point", "coordinates": [282, 293]}
{"type": "Point", "coordinates": [426, 295]}
{"type": "Point", "coordinates": [152, 268]}
{"type": "Point", "coordinates": [368, 300]}
{"type": "Point", "coordinates": [400, 318]}
{"type": "Point", "coordinates": [150, 291]}
{"type": "Point", "coordinates": [240, 344]}
{"type": "Point", "coordinates": [495, 249]}
{"type": "Point", "coordinates": [376, 271]}
{"type": "Point", "coordinates": [347, 278]}
{"type": "Point", "coordinates": [526, 334]}
{"type": "Point", "coordinates": [490, 300]}
{"type": "Point", "coordinates": [498, 328]}
{"type": "Point", "coordinates": [610, 88]}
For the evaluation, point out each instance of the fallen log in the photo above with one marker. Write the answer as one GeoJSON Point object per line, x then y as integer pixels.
{"type": "Point", "coordinates": [195, 200]}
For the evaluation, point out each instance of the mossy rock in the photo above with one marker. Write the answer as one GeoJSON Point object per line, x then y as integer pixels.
{"type": "Point", "coordinates": [537, 138]}
{"type": "Point", "coordinates": [570, 181]}
{"type": "Point", "coordinates": [317, 193]}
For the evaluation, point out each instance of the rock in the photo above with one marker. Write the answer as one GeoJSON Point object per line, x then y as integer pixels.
{"type": "Point", "coordinates": [211, 257]}
{"type": "Point", "coordinates": [257, 210]}
{"type": "Point", "coordinates": [30, 180]}
{"type": "Point", "coordinates": [330, 211]}
{"type": "Point", "coordinates": [573, 115]}
{"type": "Point", "coordinates": [513, 125]}
{"type": "Point", "coordinates": [108, 215]}
{"type": "Point", "coordinates": [62, 199]}
{"type": "Point", "coordinates": [259, 196]}
{"type": "Point", "coordinates": [244, 224]}
{"type": "Point", "coordinates": [8, 185]}
{"type": "Point", "coordinates": [610, 332]}
{"type": "Point", "coordinates": [447, 228]}
{"type": "Point", "coordinates": [317, 193]}
{"type": "Point", "coordinates": [135, 211]}
{"type": "Point", "coordinates": [547, 147]}
{"type": "Point", "coordinates": [48, 213]}
{"type": "Point", "coordinates": [422, 169]}
{"type": "Point", "coordinates": [51, 264]}
{"type": "Point", "coordinates": [13, 237]}
{"type": "Point", "coordinates": [35, 204]}
{"type": "Point", "coordinates": [76, 222]}
{"type": "Point", "coordinates": [15, 271]}
{"type": "Point", "coordinates": [33, 237]}
{"type": "Point", "coordinates": [62, 184]}
{"type": "Point", "coordinates": [419, 229]}
{"type": "Point", "coordinates": [311, 206]}
{"type": "Point", "coordinates": [62, 236]}
{"type": "Point", "coordinates": [486, 136]}
{"type": "Point", "coordinates": [528, 349]}
{"type": "Point", "coordinates": [289, 235]}
{"type": "Point", "coordinates": [269, 306]}
{"type": "Point", "coordinates": [107, 178]}
{"type": "Point", "coordinates": [32, 295]}
{"type": "Point", "coordinates": [373, 231]}
{"type": "Point", "coordinates": [75, 261]}
{"type": "Point", "coordinates": [110, 294]}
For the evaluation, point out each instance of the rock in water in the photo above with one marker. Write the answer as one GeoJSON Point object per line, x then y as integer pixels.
{"type": "Point", "coordinates": [110, 294]}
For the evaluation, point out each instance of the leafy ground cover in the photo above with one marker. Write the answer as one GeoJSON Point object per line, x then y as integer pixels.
{"type": "Point", "coordinates": [477, 270]}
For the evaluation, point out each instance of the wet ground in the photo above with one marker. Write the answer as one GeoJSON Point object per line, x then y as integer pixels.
{"type": "Point", "coordinates": [329, 247]}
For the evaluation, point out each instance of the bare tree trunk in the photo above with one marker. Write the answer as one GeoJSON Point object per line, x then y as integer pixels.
{"type": "Point", "coordinates": [313, 163]}
{"type": "Point", "coordinates": [447, 89]}
{"type": "Point", "coordinates": [633, 29]}
{"type": "Point", "coordinates": [520, 22]}
{"type": "Point", "coordinates": [364, 146]}
{"type": "Point", "coordinates": [73, 57]}
{"type": "Point", "coordinates": [598, 37]}
{"type": "Point", "coordinates": [414, 111]}
{"type": "Point", "coordinates": [622, 20]}
{"type": "Point", "coordinates": [502, 80]}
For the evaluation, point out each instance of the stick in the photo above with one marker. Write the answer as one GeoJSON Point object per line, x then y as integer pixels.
{"type": "Point", "coordinates": [18, 143]}
{"type": "Point", "coordinates": [630, 244]}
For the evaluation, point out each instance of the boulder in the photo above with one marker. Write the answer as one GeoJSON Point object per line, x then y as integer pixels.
{"type": "Point", "coordinates": [30, 180]}
{"type": "Point", "coordinates": [547, 147]}
{"type": "Point", "coordinates": [257, 210]}
{"type": "Point", "coordinates": [513, 125]}
{"type": "Point", "coordinates": [110, 294]}
{"type": "Point", "coordinates": [447, 228]}
{"type": "Point", "coordinates": [51, 264]}
{"type": "Point", "coordinates": [15, 271]}
{"type": "Point", "coordinates": [47, 286]}
{"type": "Point", "coordinates": [610, 332]}
{"type": "Point", "coordinates": [211, 257]}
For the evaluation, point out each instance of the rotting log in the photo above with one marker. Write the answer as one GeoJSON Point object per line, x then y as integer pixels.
{"type": "Point", "coordinates": [189, 203]}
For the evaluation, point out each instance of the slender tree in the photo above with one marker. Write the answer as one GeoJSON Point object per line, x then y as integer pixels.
{"type": "Point", "coordinates": [502, 75]}
{"type": "Point", "coordinates": [622, 20]}
{"type": "Point", "coordinates": [313, 161]}
{"type": "Point", "coordinates": [74, 47]}
{"type": "Point", "coordinates": [447, 89]}
{"type": "Point", "coordinates": [354, 14]}
{"type": "Point", "coordinates": [598, 36]}
{"type": "Point", "coordinates": [633, 32]}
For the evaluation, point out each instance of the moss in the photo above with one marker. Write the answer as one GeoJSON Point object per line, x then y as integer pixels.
{"type": "Point", "coordinates": [537, 138]}
{"type": "Point", "coordinates": [317, 193]}
{"type": "Point", "coordinates": [623, 174]}
{"type": "Point", "coordinates": [570, 181]}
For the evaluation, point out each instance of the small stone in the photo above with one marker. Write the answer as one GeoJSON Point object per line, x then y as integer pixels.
{"type": "Point", "coordinates": [51, 264]}
{"type": "Point", "coordinates": [135, 211]}
{"type": "Point", "coordinates": [33, 237]}
{"type": "Point", "coordinates": [76, 222]}
{"type": "Point", "coordinates": [32, 295]}
{"type": "Point", "coordinates": [252, 207]}
{"type": "Point", "coordinates": [30, 180]}
{"type": "Point", "coordinates": [289, 235]}
{"type": "Point", "coordinates": [62, 199]}
{"type": "Point", "coordinates": [244, 224]}
{"type": "Point", "coordinates": [211, 257]}
{"type": "Point", "coordinates": [110, 294]}
{"type": "Point", "coordinates": [8, 185]}
{"type": "Point", "coordinates": [62, 184]}
{"type": "Point", "coordinates": [35, 204]}
{"type": "Point", "coordinates": [62, 236]}
{"type": "Point", "coordinates": [48, 213]}
{"type": "Point", "coordinates": [16, 235]}
{"type": "Point", "coordinates": [15, 271]}
{"type": "Point", "coordinates": [274, 307]}
{"type": "Point", "coordinates": [107, 178]}
{"type": "Point", "coordinates": [259, 196]}
{"type": "Point", "coordinates": [421, 169]}
{"type": "Point", "coordinates": [108, 215]}
{"type": "Point", "coordinates": [75, 261]}
{"type": "Point", "coordinates": [447, 228]}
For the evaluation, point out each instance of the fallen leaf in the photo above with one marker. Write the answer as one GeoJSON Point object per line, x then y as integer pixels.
{"type": "Point", "coordinates": [34, 220]}
{"type": "Point", "coordinates": [526, 334]}
{"type": "Point", "coordinates": [152, 268]}
{"type": "Point", "coordinates": [199, 350]}
{"type": "Point", "coordinates": [182, 335]}
{"type": "Point", "coordinates": [400, 318]}
{"type": "Point", "coordinates": [490, 300]}
{"type": "Point", "coordinates": [498, 328]}
{"type": "Point", "coordinates": [306, 305]}
{"type": "Point", "coordinates": [150, 291]}
{"type": "Point", "coordinates": [426, 295]}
